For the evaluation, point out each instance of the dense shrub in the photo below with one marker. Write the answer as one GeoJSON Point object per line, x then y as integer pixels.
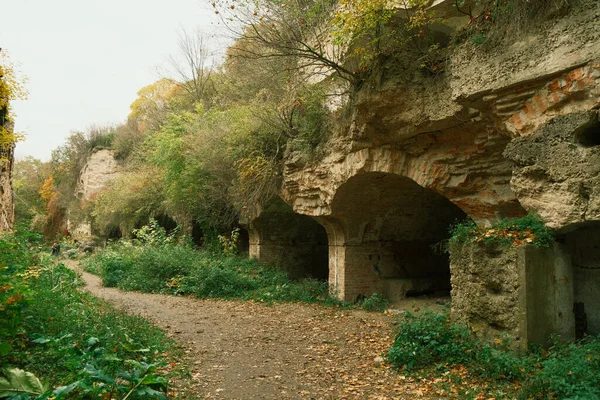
{"type": "Point", "coordinates": [375, 302]}
{"type": "Point", "coordinates": [430, 339]}
{"type": "Point", "coordinates": [568, 371]}
{"type": "Point", "coordinates": [176, 269]}
{"type": "Point", "coordinates": [16, 273]}
{"type": "Point", "coordinates": [431, 343]}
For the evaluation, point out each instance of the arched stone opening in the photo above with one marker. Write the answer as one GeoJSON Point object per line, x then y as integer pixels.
{"type": "Point", "coordinates": [197, 233]}
{"type": "Point", "coordinates": [166, 222]}
{"type": "Point", "coordinates": [243, 243]}
{"type": "Point", "coordinates": [392, 232]}
{"type": "Point", "coordinates": [113, 232]}
{"type": "Point", "coordinates": [589, 135]}
{"type": "Point", "coordinates": [583, 247]}
{"type": "Point", "coordinates": [294, 242]}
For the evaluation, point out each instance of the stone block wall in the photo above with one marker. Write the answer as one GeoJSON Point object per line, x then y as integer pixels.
{"type": "Point", "coordinates": [525, 292]}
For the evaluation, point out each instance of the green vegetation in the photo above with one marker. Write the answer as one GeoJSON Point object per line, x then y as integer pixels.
{"type": "Point", "coordinates": [494, 20]}
{"type": "Point", "coordinates": [207, 142]}
{"type": "Point", "coordinates": [79, 346]}
{"type": "Point", "coordinates": [155, 262]}
{"type": "Point", "coordinates": [506, 232]}
{"type": "Point", "coordinates": [177, 269]}
{"type": "Point", "coordinates": [431, 344]}
{"type": "Point", "coordinates": [375, 302]}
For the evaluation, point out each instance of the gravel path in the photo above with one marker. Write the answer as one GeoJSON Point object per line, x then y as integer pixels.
{"type": "Point", "coordinates": [246, 350]}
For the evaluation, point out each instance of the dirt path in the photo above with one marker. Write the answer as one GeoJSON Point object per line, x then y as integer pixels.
{"type": "Point", "coordinates": [245, 350]}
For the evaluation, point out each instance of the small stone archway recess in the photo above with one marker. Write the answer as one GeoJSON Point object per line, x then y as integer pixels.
{"type": "Point", "coordinates": [583, 246]}
{"type": "Point", "coordinates": [243, 242]}
{"type": "Point", "coordinates": [387, 234]}
{"type": "Point", "coordinates": [294, 242]}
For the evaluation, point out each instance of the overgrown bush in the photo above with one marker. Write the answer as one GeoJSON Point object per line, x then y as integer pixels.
{"type": "Point", "coordinates": [375, 302]}
{"type": "Point", "coordinates": [568, 371]}
{"type": "Point", "coordinates": [16, 274]}
{"type": "Point", "coordinates": [176, 269]}
{"type": "Point", "coordinates": [431, 344]}
{"type": "Point", "coordinates": [430, 339]}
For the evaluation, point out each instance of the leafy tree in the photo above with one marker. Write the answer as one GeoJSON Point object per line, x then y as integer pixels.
{"type": "Point", "coordinates": [193, 68]}
{"type": "Point", "coordinates": [129, 201]}
{"type": "Point", "coordinates": [152, 105]}
{"type": "Point", "coordinates": [29, 175]}
{"type": "Point", "coordinates": [12, 87]}
{"type": "Point", "coordinates": [297, 33]}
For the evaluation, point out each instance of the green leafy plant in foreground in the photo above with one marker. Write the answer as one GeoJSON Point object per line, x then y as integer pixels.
{"type": "Point", "coordinates": [430, 339]}
{"type": "Point", "coordinates": [15, 382]}
{"type": "Point", "coordinates": [60, 337]}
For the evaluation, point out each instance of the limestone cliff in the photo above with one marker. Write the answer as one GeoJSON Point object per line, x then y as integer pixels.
{"type": "Point", "coordinates": [448, 133]}
{"type": "Point", "coordinates": [100, 168]}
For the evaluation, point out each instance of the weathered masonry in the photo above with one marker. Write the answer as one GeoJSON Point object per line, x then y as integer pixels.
{"type": "Point", "coordinates": [500, 134]}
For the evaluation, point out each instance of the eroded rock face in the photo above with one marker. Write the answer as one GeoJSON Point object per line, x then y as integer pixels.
{"type": "Point", "coordinates": [557, 170]}
{"type": "Point", "coordinates": [523, 291]}
{"type": "Point", "coordinates": [7, 208]}
{"type": "Point", "coordinates": [99, 170]}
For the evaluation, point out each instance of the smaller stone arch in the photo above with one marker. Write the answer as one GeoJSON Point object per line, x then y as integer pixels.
{"type": "Point", "coordinates": [294, 242]}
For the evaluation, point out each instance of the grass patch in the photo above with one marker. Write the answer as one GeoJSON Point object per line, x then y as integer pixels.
{"type": "Point", "coordinates": [507, 232]}
{"type": "Point", "coordinates": [430, 345]}
{"type": "Point", "coordinates": [375, 302]}
{"type": "Point", "coordinates": [78, 345]}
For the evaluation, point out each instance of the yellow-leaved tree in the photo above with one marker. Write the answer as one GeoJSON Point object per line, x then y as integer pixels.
{"type": "Point", "coordinates": [12, 87]}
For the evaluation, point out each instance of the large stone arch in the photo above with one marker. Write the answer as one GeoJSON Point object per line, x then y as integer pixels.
{"type": "Point", "coordinates": [465, 165]}
{"type": "Point", "coordinates": [386, 235]}
{"type": "Point", "coordinates": [291, 241]}
{"type": "Point", "coordinates": [461, 167]}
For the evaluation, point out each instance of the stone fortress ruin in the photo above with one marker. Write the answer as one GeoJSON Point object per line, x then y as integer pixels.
{"type": "Point", "coordinates": [501, 134]}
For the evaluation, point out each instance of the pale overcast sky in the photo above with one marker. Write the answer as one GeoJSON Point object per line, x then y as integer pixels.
{"type": "Point", "coordinates": [86, 59]}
